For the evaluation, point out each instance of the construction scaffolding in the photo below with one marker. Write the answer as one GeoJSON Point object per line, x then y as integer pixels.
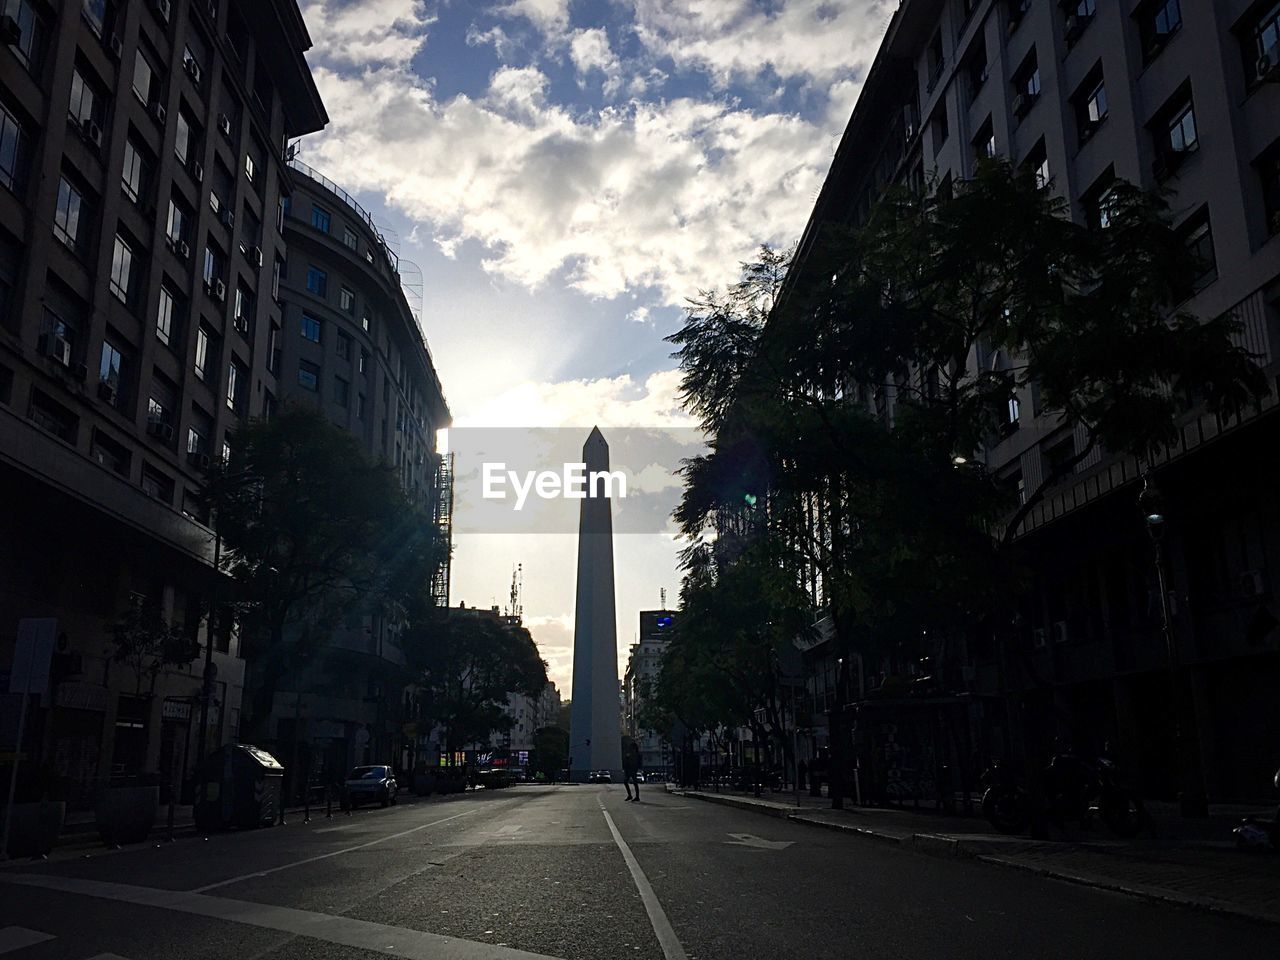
{"type": "Point", "coordinates": [443, 486]}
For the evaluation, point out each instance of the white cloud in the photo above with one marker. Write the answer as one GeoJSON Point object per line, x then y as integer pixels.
{"type": "Point", "coordinates": [549, 16]}
{"type": "Point", "coordinates": [671, 195]}
{"type": "Point", "coordinates": [639, 315]}
{"type": "Point", "coordinates": [815, 40]}
{"type": "Point", "coordinates": [605, 402]}
{"type": "Point", "coordinates": [368, 32]}
{"type": "Point", "coordinates": [590, 51]}
{"type": "Point", "coordinates": [502, 44]}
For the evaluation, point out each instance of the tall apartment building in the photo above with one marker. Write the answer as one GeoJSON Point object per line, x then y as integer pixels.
{"type": "Point", "coordinates": [1178, 95]}
{"type": "Point", "coordinates": [348, 341]}
{"type": "Point", "coordinates": [643, 665]}
{"type": "Point", "coordinates": [142, 185]}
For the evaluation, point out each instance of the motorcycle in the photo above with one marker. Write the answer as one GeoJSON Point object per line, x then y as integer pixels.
{"type": "Point", "coordinates": [1257, 833]}
{"type": "Point", "coordinates": [1073, 789]}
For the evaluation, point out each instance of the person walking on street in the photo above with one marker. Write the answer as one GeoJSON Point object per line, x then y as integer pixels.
{"type": "Point", "coordinates": [631, 770]}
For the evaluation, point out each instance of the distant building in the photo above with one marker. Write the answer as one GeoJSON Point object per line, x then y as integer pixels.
{"type": "Point", "coordinates": [643, 666]}
{"type": "Point", "coordinates": [349, 342]}
{"type": "Point", "coordinates": [142, 188]}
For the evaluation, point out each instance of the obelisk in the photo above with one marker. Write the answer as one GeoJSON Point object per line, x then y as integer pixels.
{"type": "Point", "coordinates": [595, 729]}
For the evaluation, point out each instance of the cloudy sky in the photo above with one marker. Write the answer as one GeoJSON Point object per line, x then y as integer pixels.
{"type": "Point", "coordinates": [566, 173]}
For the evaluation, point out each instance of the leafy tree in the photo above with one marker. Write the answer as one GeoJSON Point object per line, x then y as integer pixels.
{"type": "Point", "coordinates": [311, 530]}
{"type": "Point", "coordinates": [550, 751]}
{"type": "Point", "coordinates": [846, 424]}
{"type": "Point", "coordinates": [468, 662]}
{"type": "Point", "coordinates": [144, 642]}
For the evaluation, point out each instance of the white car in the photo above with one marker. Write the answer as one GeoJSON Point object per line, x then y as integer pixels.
{"type": "Point", "coordinates": [367, 784]}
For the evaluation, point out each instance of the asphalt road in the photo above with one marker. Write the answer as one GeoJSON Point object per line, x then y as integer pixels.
{"type": "Point", "coordinates": [574, 872]}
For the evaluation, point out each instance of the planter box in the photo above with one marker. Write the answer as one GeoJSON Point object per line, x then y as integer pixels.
{"type": "Point", "coordinates": [126, 814]}
{"type": "Point", "coordinates": [34, 827]}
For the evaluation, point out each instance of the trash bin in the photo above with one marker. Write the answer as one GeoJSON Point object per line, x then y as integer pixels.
{"type": "Point", "coordinates": [242, 788]}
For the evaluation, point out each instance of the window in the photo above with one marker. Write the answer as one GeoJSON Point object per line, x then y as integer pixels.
{"type": "Point", "coordinates": [320, 218]}
{"type": "Point", "coordinates": [1263, 42]}
{"type": "Point", "coordinates": [214, 264]}
{"type": "Point", "coordinates": [1015, 410]}
{"type": "Point", "coordinates": [273, 348]}
{"type": "Point", "coordinates": [360, 406]}
{"type": "Point", "coordinates": [343, 346]}
{"type": "Point", "coordinates": [367, 323]}
{"type": "Point", "coordinates": [123, 270]}
{"type": "Point", "coordinates": [310, 328]}
{"type": "Point", "coordinates": [178, 224]}
{"type": "Point", "coordinates": [202, 353]}
{"type": "Point", "coordinates": [1079, 15]}
{"type": "Point", "coordinates": [166, 315]}
{"type": "Point", "coordinates": [984, 143]}
{"type": "Point", "coordinates": [277, 271]}
{"type": "Point", "coordinates": [347, 300]}
{"type": "Point", "coordinates": [1098, 200]}
{"type": "Point", "coordinates": [1018, 10]}
{"type": "Point", "coordinates": [939, 128]}
{"type": "Point", "coordinates": [145, 86]}
{"type": "Point", "coordinates": [317, 281]}
{"type": "Point", "coordinates": [13, 150]}
{"type": "Point", "coordinates": [1026, 85]}
{"type": "Point", "coordinates": [1037, 162]}
{"type": "Point", "coordinates": [308, 375]}
{"type": "Point", "coordinates": [197, 442]}
{"type": "Point", "coordinates": [1158, 21]}
{"type": "Point", "coordinates": [29, 48]}
{"type": "Point", "coordinates": [50, 415]}
{"type": "Point", "coordinates": [156, 484]}
{"type": "Point", "coordinates": [1091, 104]}
{"type": "Point", "coordinates": [341, 392]}
{"type": "Point", "coordinates": [87, 104]}
{"type": "Point", "coordinates": [185, 139]}
{"type": "Point", "coordinates": [976, 68]}
{"type": "Point", "coordinates": [1174, 129]}
{"type": "Point", "coordinates": [1198, 237]}
{"type": "Point", "coordinates": [935, 61]}
{"type": "Point", "coordinates": [135, 174]}
{"type": "Point", "coordinates": [243, 306]}
{"type": "Point", "coordinates": [350, 239]}
{"type": "Point", "coordinates": [236, 379]}
{"type": "Point", "coordinates": [364, 361]}
{"type": "Point", "coordinates": [250, 168]}
{"type": "Point", "coordinates": [110, 454]}
{"type": "Point", "coordinates": [191, 60]}
{"type": "Point", "coordinates": [111, 366]}
{"type": "Point", "coordinates": [1268, 165]}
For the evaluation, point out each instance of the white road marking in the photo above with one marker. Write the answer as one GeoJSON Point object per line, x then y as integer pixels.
{"type": "Point", "coordinates": [325, 856]}
{"type": "Point", "coordinates": [667, 939]}
{"type": "Point", "coordinates": [751, 840]}
{"type": "Point", "coordinates": [343, 931]}
{"type": "Point", "coordinates": [15, 938]}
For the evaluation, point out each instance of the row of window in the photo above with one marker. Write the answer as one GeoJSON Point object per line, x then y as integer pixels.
{"type": "Point", "coordinates": [310, 376]}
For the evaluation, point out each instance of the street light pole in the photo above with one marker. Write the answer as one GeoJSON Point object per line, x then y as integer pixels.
{"type": "Point", "coordinates": [1192, 801]}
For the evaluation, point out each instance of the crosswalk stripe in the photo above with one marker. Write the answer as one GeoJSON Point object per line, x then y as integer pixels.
{"type": "Point", "coordinates": [15, 938]}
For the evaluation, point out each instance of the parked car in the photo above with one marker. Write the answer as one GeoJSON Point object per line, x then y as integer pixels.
{"type": "Point", "coordinates": [600, 776]}
{"type": "Point", "coordinates": [367, 784]}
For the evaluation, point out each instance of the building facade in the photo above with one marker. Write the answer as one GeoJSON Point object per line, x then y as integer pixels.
{"type": "Point", "coordinates": [1161, 93]}
{"type": "Point", "coordinates": [141, 195]}
{"type": "Point", "coordinates": [349, 342]}
{"type": "Point", "coordinates": [643, 666]}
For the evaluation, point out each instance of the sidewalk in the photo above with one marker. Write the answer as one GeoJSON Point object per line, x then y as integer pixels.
{"type": "Point", "coordinates": [1192, 863]}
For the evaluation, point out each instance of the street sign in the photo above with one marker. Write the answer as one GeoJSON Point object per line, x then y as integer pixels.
{"type": "Point", "coordinates": [759, 843]}
{"type": "Point", "coordinates": [33, 655]}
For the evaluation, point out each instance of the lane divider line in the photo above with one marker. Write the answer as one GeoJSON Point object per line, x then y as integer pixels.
{"type": "Point", "coordinates": [667, 939]}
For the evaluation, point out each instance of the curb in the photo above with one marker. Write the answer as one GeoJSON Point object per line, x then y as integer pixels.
{"type": "Point", "coordinates": [1138, 891]}
{"type": "Point", "coordinates": [952, 847]}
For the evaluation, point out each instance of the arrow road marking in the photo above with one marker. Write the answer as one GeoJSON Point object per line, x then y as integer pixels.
{"type": "Point", "coordinates": [759, 843]}
{"type": "Point", "coordinates": [15, 938]}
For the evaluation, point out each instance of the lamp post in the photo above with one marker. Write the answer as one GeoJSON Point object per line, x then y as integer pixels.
{"type": "Point", "coordinates": [1192, 801]}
